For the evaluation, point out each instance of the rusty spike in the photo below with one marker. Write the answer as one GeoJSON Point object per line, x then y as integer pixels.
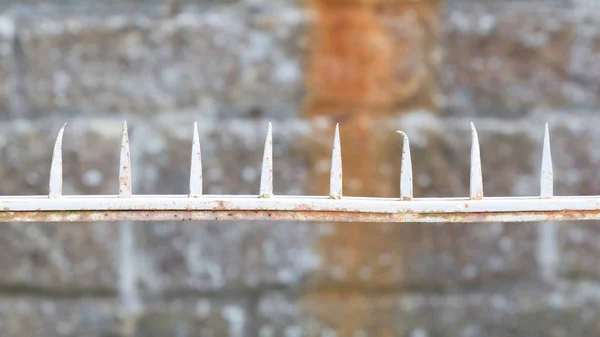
{"type": "Point", "coordinates": [125, 166]}
{"type": "Point", "coordinates": [546, 179]}
{"type": "Point", "coordinates": [266, 175]}
{"type": "Point", "coordinates": [406, 174]}
{"type": "Point", "coordinates": [335, 178]}
{"type": "Point", "coordinates": [55, 188]}
{"type": "Point", "coordinates": [196, 166]}
{"type": "Point", "coordinates": [476, 176]}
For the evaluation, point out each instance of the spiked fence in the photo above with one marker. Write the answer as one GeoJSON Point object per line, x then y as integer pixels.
{"type": "Point", "coordinates": [195, 206]}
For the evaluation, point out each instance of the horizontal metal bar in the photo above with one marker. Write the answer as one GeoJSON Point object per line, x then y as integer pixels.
{"type": "Point", "coordinates": [311, 216]}
{"type": "Point", "coordinates": [182, 207]}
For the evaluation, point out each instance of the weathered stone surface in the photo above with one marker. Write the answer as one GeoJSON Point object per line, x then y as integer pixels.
{"type": "Point", "coordinates": [235, 60]}
{"type": "Point", "coordinates": [372, 58]}
{"type": "Point", "coordinates": [59, 257]}
{"type": "Point", "coordinates": [196, 318]}
{"type": "Point", "coordinates": [507, 59]}
{"type": "Point", "coordinates": [9, 79]}
{"type": "Point", "coordinates": [59, 318]}
{"type": "Point", "coordinates": [523, 311]}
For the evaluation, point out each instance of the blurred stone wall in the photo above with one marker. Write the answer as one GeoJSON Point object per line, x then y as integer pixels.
{"type": "Point", "coordinates": [428, 67]}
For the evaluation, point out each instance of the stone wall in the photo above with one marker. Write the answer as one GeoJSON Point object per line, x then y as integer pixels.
{"type": "Point", "coordinates": [427, 67]}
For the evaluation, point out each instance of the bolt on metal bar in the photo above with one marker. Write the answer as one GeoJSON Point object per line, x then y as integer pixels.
{"type": "Point", "coordinates": [196, 206]}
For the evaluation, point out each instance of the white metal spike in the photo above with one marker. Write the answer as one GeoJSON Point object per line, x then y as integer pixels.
{"type": "Point", "coordinates": [196, 166]}
{"type": "Point", "coordinates": [546, 178]}
{"type": "Point", "coordinates": [266, 175]}
{"type": "Point", "coordinates": [125, 166]}
{"type": "Point", "coordinates": [406, 174]}
{"type": "Point", "coordinates": [335, 178]}
{"type": "Point", "coordinates": [476, 176]}
{"type": "Point", "coordinates": [55, 188]}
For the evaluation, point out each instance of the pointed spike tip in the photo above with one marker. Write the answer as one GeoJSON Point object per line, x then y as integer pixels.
{"type": "Point", "coordinates": [335, 178]}
{"type": "Point", "coordinates": [406, 174]}
{"type": "Point", "coordinates": [196, 165]}
{"type": "Point", "coordinates": [55, 186]}
{"type": "Point", "coordinates": [546, 174]}
{"type": "Point", "coordinates": [266, 174]}
{"type": "Point", "coordinates": [476, 181]}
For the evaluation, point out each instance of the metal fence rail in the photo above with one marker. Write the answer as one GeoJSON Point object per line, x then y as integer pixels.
{"type": "Point", "coordinates": [195, 206]}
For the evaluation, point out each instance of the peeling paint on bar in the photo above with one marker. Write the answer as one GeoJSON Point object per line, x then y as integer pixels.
{"type": "Point", "coordinates": [310, 216]}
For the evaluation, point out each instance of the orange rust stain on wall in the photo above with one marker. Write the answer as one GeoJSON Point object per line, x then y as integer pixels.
{"type": "Point", "coordinates": [375, 56]}
{"type": "Point", "coordinates": [368, 60]}
{"type": "Point", "coordinates": [351, 64]}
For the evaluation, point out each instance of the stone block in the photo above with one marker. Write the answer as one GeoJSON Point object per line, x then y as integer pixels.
{"type": "Point", "coordinates": [233, 61]}
{"type": "Point", "coordinates": [522, 311]}
{"type": "Point", "coordinates": [210, 257]}
{"type": "Point", "coordinates": [505, 59]}
{"type": "Point", "coordinates": [196, 318]}
{"type": "Point", "coordinates": [59, 318]}
{"type": "Point", "coordinates": [11, 78]}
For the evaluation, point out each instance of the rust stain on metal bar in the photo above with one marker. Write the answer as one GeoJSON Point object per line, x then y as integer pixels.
{"type": "Point", "coordinates": [406, 174]}
{"type": "Point", "coordinates": [310, 216]}
{"type": "Point", "coordinates": [335, 178]}
{"type": "Point", "coordinates": [125, 166]}
{"type": "Point", "coordinates": [55, 186]}
{"type": "Point", "coordinates": [546, 176]}
{"type": "Point", "coordinates": [196, 165]}
{"type": "Point", "coordinates": [266, 174]}
{"type": "Point", "coordinates": [476, 176]}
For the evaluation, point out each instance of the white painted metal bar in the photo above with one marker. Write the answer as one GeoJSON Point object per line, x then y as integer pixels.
{"type": "Point", "coordinates": [299, 204]}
